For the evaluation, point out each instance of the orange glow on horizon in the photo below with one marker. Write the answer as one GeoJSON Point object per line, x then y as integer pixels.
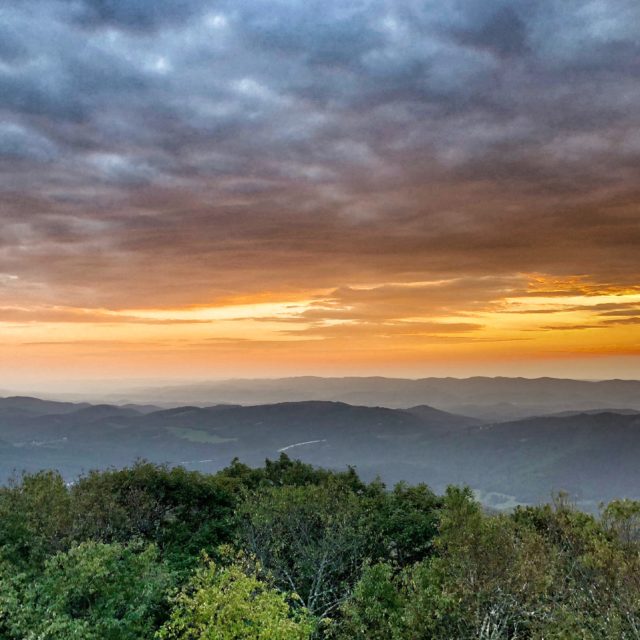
{"type": "Point", "coordinates": [412, 327]}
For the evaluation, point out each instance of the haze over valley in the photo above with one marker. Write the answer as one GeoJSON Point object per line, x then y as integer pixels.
{"type": "Point", "coordinates": [511, 440]}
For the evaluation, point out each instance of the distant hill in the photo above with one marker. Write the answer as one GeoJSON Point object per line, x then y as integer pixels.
{"type": "Point", "coordinates": [592, 455]}
{"type": "Point", "coordinates": [252, 432]}
{"type": "Point", "coordinates": [627, 412]}
{"type": "Point", "coordinates": [447, 421]}
{"type": "Point", "coordinates": [479, 397]}
{"type": "Point", "coordinates": [26, 405]}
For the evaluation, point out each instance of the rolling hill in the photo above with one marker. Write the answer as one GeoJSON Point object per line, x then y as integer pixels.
{"type": "Point", "coordinates": [591, 455]}
{"type": "Point", "coordinates": [487, 399]}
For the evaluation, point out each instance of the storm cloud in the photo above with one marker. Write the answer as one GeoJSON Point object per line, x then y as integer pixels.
{"type": "Point", "coordinates": [180, 152]}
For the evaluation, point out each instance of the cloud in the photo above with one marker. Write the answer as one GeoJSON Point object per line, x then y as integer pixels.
{"type": "Point", "coordinates": [365, 331]}
{"type": "Point", "coordinates": [136, 15]}
{"type": "Point", "coordinates": [18, 143]}
{"type": "Point", "coordinates": [84, 316]}
{"type": "Point", "coordinates": [167, 153]}
{"type": "Point", "coordinates": [121, 170]}
{"type": "Point", "coordinates": [633, 320]}
{"type": "Point", "coordinates": [503, 32]}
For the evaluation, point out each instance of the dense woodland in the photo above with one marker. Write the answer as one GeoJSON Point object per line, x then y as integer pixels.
{"type": "Point", "coordinates": [289, 551]}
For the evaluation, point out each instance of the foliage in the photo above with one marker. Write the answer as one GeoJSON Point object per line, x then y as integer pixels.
{"type": "Point", "coordinates": [308, 538]}
{"type": "Point", "coordinates": [229, 604]}
{"type": "Point", "coordinates": [34, 518]}
{"type": "Point", "coordinates": [316, 534]}
{"type": "Point", "coordinates": [286, 472]}
{"type": "Point", "coordinates": [182, 512]}
{"type": "Point", "coordinates": [376, 608]}
{"type": "Point", "coordinates": [544, 572]}
{"type": "Point", "coordinates": [401, 524]}
{"type": "Point", "coordinates": [317, 553]}
{"type": "Point", "coordinates": [94, 591]}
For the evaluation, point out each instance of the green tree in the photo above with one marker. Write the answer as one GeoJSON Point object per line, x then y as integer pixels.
{"type": "Point", "coordinates": [376, 608]}
{"type": "Point", "coordinates": [400, 524]}
{"type": "Point", "coordinates": [94, 591]}
{"type": "Point", "coordinates": [229, 604]}
{"type": "Point", "coordinates": [309, 538]}
{"type": "Point", "coordinates": [285, 472]}
{"type": "Point", "coordinates": [35, 518]}
{"type": "Point", "coordinates": [182, 512]}
{"type": "Point", "coordinates": [622, 519]}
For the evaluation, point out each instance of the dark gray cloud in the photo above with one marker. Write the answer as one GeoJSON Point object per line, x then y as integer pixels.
{"type": "Point", "coordinates": [18, 143]}
{"type": "Point", "coordinates": [162, 152]}
{"type": "Point", "coordinates": [137, 15]}
{"type": "Point", "coordinates": [503, 32]}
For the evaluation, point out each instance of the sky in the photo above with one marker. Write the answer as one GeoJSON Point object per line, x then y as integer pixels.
{"type": "Point", "coordinates": [198, 189]}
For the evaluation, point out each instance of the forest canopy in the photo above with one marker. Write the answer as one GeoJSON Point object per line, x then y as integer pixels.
{"type": "Point", "coordinates": [290, 551]}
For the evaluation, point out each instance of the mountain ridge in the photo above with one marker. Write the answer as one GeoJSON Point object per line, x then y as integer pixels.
{"type": "Point", "coordinates": [592, 455]}
{"type": "Point", "coordinates": [485, 398]}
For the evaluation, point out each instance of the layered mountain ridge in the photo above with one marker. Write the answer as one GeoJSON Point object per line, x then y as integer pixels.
{"type": "Point", "coordinates": [590, 454]}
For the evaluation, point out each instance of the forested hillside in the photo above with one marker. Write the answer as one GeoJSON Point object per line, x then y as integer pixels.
{"type": "Point", "coordinates": [592, 456]}
{"type": "Point", "coordinates": [290, 551]}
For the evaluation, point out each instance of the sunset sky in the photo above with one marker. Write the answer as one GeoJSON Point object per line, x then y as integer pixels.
{"type": "Point", "coordinates": [200, 189]}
